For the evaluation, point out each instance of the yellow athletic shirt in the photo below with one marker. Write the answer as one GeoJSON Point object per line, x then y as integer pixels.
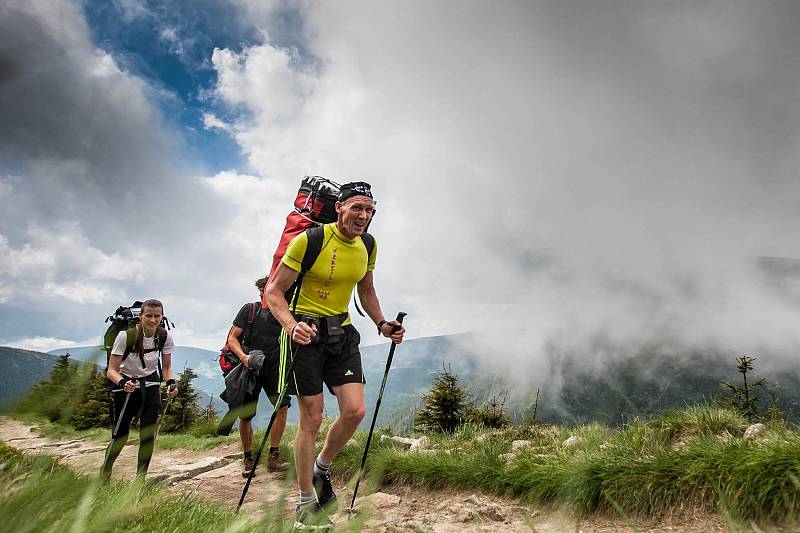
{"type": "Point", "coordinates": [327, 286]}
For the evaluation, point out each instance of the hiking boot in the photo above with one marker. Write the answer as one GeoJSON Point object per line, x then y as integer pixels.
{"type": "Point", "coordinates": [324, 490]}
{"type": "Point", "coordinates": [276, 463]}
{"type": "Point", "coordinates": [249, 465]}
{"type": "Point", "coordinates": [311, 516]}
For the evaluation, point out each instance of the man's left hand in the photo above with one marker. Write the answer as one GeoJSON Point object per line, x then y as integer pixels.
{"type": "Point", "coordinates": [172, 392]}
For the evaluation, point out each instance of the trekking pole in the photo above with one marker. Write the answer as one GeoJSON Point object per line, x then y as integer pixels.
{"type": "Point", "coordinates": [164, 412]}
{"type": "Point", "coordinates": [275, 410]}
{"type": "Point", "coordinates": [121, 414]}
{"type": "Point", "coordinates": [400, 317]}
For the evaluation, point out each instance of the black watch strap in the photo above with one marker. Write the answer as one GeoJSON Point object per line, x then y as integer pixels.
{"type": "Point", "coordinates": [380, 325]}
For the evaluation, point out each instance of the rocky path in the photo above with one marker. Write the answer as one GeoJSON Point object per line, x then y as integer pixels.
{"type": "Point", "coordinates": [216, 475]}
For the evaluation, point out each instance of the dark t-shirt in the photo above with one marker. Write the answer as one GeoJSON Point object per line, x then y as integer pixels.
{"type": "Point", "coordinates": [262, 334]}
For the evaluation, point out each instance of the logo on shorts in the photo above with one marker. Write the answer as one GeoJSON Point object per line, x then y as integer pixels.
{"type": "Point", "coordinates": [348, 373]}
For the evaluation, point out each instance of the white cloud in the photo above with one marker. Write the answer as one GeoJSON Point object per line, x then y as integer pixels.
{"type": "Point", "coordinates": [539, 177]}
{"type": "Point", "coordinates": [133, 9]}
{"type": "Point", "coordinates": [46, 344]}
{"type": "Point", "coordinates": [84, 292]}
{"type": "Point", "coordinates": [543, 175]}
{"type": "Point", "coordinates": [211, 121]}
{"type": "Point", "coordinates": [58, 261]}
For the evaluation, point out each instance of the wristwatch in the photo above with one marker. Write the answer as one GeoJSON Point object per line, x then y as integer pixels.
{"type": "Point", "coordinates": [380, 325]}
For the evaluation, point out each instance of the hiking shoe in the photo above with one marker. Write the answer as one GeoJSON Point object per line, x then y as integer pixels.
{"type": "Point", "coordinates": [324, 490]}
{"type": "Point", "coordinates": [276, 463]}
{"type": "Point", "coordinates": [311, 516]}
{"type": "Point", "coordinates": [249, 465]}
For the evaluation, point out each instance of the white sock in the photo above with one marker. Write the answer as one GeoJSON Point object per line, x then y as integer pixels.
{"type": "Point", "coordinates": [320, 466]}
{"type": "Point", "coordinates": [306, 497]}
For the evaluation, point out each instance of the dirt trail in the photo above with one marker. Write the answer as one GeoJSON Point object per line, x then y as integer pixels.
{"type": "Point", "coordinates": [216, 475]}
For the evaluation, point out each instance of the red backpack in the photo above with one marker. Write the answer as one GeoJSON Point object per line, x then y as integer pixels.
{"type": "Point", "coordinates": [315, 204]}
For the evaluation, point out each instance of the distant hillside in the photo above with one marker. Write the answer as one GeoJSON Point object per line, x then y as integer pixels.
{"type": "Point", "coordinates": [21, 369]}
{"type": "Point", "coordinates": [203, 362]}
{"type": "Point", "coordinates": [573, 392]}
{"type": "Point", "coordinates": [209, 379]}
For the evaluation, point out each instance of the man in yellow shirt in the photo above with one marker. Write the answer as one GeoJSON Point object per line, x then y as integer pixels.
{"type": "Point", "coordinates": [327, 343]}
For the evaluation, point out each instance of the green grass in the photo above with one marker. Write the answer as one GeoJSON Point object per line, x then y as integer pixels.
{"type": "Point", "coordinates": [677, 462]}
{"type": "Point", "coordinates": [42, 495]}
{"type": "Point", "coordinates": [39, 494]}
{"type": "Point", "coordinates": [635, 471]}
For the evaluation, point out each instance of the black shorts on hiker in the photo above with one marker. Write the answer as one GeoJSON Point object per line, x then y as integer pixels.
{"type": "Point", "coordinates": [248, 409]}
{"type": "Point", "coordinates": [333, 360]}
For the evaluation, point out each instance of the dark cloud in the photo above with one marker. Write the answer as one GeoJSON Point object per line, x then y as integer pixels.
{"type": "Point", "coordinates": [89, 168]}
{"type": "Point", "coordinates": [84, 135]}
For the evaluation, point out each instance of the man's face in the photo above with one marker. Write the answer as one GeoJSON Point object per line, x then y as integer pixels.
{"type": "Point", "coordinates": [354, 215]}
{"type": "Point", "coordinates": [151, 318]}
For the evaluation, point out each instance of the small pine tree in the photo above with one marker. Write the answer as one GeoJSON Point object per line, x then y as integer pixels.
{"type": "Point", "coordinates": [774, 412]}
{"type": "Point", "coordinates": [184, 411]}
{"type": "Point", "coordinates": [744, 399]}
{"type": "Point", "coordinates": [53, 398]}
{"type": "Point", "coordinates": [93, 410]}
{"type": "Point", "coordinates": [444, 407]}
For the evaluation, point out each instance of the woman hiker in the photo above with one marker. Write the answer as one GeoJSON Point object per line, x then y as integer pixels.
{"type": "Point", "coordinates": [133, 370]}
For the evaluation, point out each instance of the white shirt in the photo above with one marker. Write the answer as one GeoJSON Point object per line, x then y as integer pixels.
{"type": "Point", "coordinates": [132, 365]}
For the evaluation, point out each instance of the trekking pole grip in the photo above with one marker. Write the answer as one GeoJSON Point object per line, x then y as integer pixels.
{"type": "Point", "coordinates": [400, 316]}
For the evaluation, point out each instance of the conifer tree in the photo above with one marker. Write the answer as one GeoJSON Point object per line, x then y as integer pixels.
{"type": "Point", "coordinates": [93, 410]}
{"type": "Point", "coordinates": [444, 407]}
{"type": "Point", "coordinates": [744, 399]}
{"type": "Point", "coordinates": [53, 398]}
{"type": "Point", "coordinates": [184, 411]}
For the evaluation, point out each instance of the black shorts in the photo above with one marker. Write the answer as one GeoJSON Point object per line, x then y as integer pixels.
{"type": "Point", "coordinates": [333, 361]}
{"type": "Point", "coordinates": [248, 409]}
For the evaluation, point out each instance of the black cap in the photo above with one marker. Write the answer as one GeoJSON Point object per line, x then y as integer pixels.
{"type": "Point", "coordinates": [354, 188]}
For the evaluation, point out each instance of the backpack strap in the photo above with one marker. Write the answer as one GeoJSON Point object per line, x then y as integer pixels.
{"type": "Point", "coordinates": [255, 309]}
{"type": "Point", "coordinates": [369, 244]}
{"type": "Point", "coordinates": [131, 336]}
{"type": "Point", "coordinates": [316, 236]}
{"type": "Point", "coordinates": [161, 341]}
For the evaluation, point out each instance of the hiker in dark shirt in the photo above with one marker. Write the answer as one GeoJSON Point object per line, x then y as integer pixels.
{"type": "Point", "coordinates": [260, 335]}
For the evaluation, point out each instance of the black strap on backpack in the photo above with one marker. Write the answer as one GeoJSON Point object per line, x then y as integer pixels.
{"type": "Point", "coordinates": [255, 309]}
{"type": "Point", "coordinates": [369, 244]}
{"type": "Point", "coordinates": [316, 234]}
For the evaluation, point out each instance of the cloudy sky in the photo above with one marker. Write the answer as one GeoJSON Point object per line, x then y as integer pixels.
{"type": "Point", "coordinates": [549, 173]}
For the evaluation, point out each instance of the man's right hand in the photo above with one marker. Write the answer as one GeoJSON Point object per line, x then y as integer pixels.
{"type": "Point", "coordinates": [302, 333]}
{"type": "Point", "coordinates": [130, 386]}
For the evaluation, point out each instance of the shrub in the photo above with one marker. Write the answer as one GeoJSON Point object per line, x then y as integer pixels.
{"type": "Point", "coordinates": [444, 407]}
